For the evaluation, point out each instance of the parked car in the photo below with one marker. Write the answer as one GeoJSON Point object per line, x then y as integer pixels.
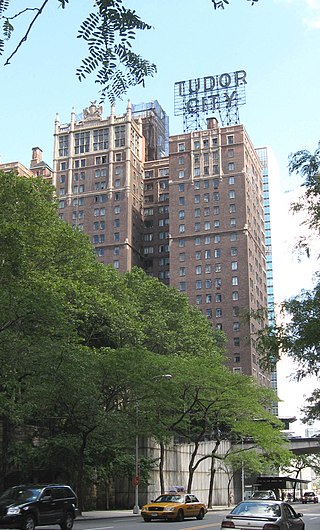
{"type": "Point", "coordinates": [174, 506]}
{"type": "Point", "coordinates": [309, 496]}
{"type": "Point", "coordinates": [262, 515]}
{"type": "Point", "coordinates": [28, 506]}
{"type": "Point", "coordinates": [264, 495]}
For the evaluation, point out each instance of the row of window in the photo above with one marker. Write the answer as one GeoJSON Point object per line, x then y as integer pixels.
{"type": "Point", "coordinates": [204, 142]}
{"type": "Point", "coordinates": [207, 225]}
{"type": "Point", "coordinates": [95, 140]}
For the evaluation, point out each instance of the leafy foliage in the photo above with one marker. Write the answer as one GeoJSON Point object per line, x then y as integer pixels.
{"type": "Point", "coordinates": [220, 4]}
{"type": "Point", "coordinates": [108, 32]}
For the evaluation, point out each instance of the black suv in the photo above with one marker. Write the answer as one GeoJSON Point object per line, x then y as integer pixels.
{"type": "Point", "coordinates": [27, 506]}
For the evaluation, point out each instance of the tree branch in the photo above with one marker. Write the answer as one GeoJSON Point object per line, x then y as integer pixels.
{"type": "Point", "coordinates": [25, 37]}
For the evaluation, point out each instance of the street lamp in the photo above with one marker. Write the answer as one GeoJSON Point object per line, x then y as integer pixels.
{"type": "Point", "coordinates": [136, 508]}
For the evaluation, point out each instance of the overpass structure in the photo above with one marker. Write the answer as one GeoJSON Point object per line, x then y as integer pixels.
{"type": "Point", "coordinates": [304, 446]}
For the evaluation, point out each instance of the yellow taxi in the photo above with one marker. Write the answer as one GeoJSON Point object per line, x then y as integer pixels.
{"type": "Point", "coordinates": [174, 506]}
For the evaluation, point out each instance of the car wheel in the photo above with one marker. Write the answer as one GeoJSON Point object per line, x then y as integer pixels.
{"type": "Point", "coordinates": [67, 522]}
{"type": "Point", "coordinates": [180, 516]}
{"type": "Point", "coordinates": [147, 519]}
{"type": "Point", "coordinates": [200, 514]}
{"type": "Point", "coordinates": [29, 523]}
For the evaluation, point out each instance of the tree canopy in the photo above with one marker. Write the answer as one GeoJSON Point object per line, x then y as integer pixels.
{"type": "Point", "coordinates": [108, 30]}
{"type": "Point", "coordinates": [83, 351]}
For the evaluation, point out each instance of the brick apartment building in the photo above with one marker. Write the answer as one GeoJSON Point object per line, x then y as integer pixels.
{"type": "Point", "coordinates": [191, 215]}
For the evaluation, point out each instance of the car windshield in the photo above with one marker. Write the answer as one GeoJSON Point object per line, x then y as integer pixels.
{"type": "Point", "coordinates": [21, 494]}
{"type": "Point", "coordinates": [170, 498]}
{"type": "Point", "coordinates": [262, 494]}
{"type": "Point", "coordinates": [259, 509]}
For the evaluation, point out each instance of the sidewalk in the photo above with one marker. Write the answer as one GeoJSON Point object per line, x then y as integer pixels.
{"type": "Point", "coordinates": [109, 514]}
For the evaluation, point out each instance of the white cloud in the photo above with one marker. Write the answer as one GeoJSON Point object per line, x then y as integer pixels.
{"type": "Point", "coordinates": [310, 10]}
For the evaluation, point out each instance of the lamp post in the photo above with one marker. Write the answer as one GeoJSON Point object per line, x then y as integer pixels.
{"type": "Point", "coordinates": [136, 481]}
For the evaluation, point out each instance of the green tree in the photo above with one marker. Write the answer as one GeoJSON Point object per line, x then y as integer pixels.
{"type": "Point", "coordinates": [208, 402]}
{"type": "Point", "coordinates": [299, 462]}
{"type": "Point", "coordinates": [108, 31]}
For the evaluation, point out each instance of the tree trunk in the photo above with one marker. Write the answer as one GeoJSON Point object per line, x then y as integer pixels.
{"type": "Point", "coordinates": [161, 466]}
{"type": "Point", "coordinates": [212, 475]}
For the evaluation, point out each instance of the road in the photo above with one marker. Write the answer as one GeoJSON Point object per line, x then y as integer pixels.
{"type": "Point", "coordinates": [212, 521]}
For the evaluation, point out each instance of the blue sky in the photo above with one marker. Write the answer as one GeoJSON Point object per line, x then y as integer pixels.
{"type": "Point", "coordinates": [277, 42]}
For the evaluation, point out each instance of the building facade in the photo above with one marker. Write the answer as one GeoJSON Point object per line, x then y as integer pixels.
{"type": "Point", "coordinates": [192, 216]}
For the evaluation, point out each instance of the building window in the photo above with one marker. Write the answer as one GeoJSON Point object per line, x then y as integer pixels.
{"type": "Point", "coordinates": [234, 280]}
{"type": "Point", "coordinates": [197, 255]}
{"type": "Point", "coordinates": [216, 196]}
{"type": "Point", "coordinates": [196, 144]}
{"type": "Point", "coordinates": [181, 214]}
{"type": "Point", "coordinates": [207, 254]}
{"type": "Point", "coordinates": [208, 298]}
{"type": "Point", "coordinates": [181, 160]}
{"type": "Point", "coordinates": [235, 295]}
{"type": "Point", "coordinates": [208, 268]}
{"type": "Point", "coordinates": [182, 271]}
{"type": "Point", "coordinates": [218, 297]}
{"type": "Point", "coordinates": [217, 239]}
{"type": "Point", "coordinates": [208, 284]}
{"type": "Point", "coordinates": [209, 313]}
{"type": "Point", "coordinates": [182, 286]}
{"type": "Point", "coordinates": [181, 187]}
{"type": "Point", "coordinates": [197, 227]}
{"type": "Point", "coordinates": [217, 252]}
{"type": "Point", "coordinates": [216, 223]}
{"type": "Point", "coordinates": [181, 174]}
{"type": "Point", "coordinates": [198, 284]}
{"type": "Point", "coordinates": [197, 184]}
{"type": "Point", "coordinates": [182, 228]}
{"type": "Point", "coordinates": [148, 250]}
{"type": "Point", "coordinates": [101, 160]}
{"type": "Point", "coordinates": [232, 208]}
{"type": "Point", "coordinates": [231, 166]}
{"type": "Point", "coordinates": [217, 267]}
{"type": "Point", "coordinates": [218, 312]}
{"type": "Point", "coordinates": [232, 194]}
{"type": "Point", "coordinates": [197, 199]}
{"type": "Point", "coordinates": [230, 140]}
{"type": "Point", "coordinates": [64, 146]}
{"type": "Point", "coordinates": [82, 142]}
{"type": "Point", "coordinates": [181, 147]}
{"type": "Point", "coordinates": [236, 326]}
{"type": "Point", "coordinates": [206, 211]}
{"type": "Point", "coordinates": [197, 212]}
{"type": "Point", "coordinates": [181, 201]}
{"type": "Point", "coordinates": [182, 256]}
{"type": "Point", "coordinates": [233, 237]}
{"type": "Point", "coordinates": [199, 299]}
{"type": "Point", "coordinates": [100, 139]}
{"type": "Point", "coordinates": [231, 180]}
{"type": "Point", "coordinates": [233, 222]}
{"type": "Point", "coordinates": [181, 243]}
{"type": "Point", "coordinates": [197, 241]}
{"type": "Point", "coordinates": [119, 135]}
{"type": "Point", "coordinates": [207, 225]}
{"type": "Point", "coordinates": [198, 269]}
{"type": "Point", "coordinates": [197, 172]}
{"type": "Point", "coordinates": [234, 265]}
{"type": "Point", "coordinates": [207, 240]}
{"type": "Point", "coordinates": [233, 251]}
